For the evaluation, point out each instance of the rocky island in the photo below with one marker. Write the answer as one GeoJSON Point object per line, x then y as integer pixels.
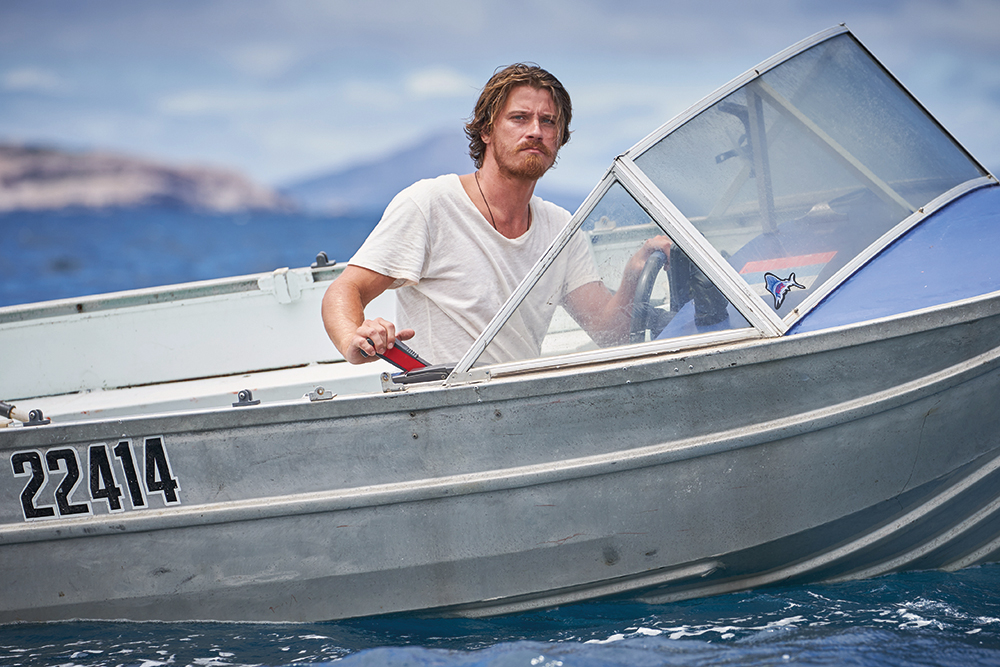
{"type": "Point", "coordinates": [40, 178]}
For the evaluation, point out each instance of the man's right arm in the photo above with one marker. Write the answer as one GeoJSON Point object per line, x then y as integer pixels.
{"type": "Point", "coordinates": [344, 315]}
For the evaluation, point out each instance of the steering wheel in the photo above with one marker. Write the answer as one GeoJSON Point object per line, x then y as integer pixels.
{"type": "Point", "coordinates": [642, 312]}
{"type": "Point", "coordinates": [687, 283]}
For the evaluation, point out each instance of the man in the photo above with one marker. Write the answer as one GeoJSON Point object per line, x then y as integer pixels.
{"type": "Point", "coordinates": [455, 247]}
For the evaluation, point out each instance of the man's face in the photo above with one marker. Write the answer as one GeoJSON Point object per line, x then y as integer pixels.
{"type": "Point", "coordinates": [525, 136]}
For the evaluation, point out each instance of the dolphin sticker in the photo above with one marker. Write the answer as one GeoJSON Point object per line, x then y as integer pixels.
{"type": "Point", "coordinates": [779, 287]}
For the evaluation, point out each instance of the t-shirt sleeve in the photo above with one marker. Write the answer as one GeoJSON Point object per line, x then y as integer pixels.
{"type": "Point", "coordinates": [580, 267]}
{"type": "Point", "coordinates": [398, 246]}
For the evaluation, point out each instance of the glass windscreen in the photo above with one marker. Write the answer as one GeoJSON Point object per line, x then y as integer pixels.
{"type": "Point", "coordinates": [797, 172]}
{"type": "Point", "coordinates": [620, 280]}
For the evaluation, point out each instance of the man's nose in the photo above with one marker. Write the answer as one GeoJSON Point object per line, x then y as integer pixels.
{"type": "Point", "coordinates": [535, 127]}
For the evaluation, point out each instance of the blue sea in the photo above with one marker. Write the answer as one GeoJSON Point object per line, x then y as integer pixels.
{"type": "Point", "coordinates": [920, 618]}
{"type": "Point", "coordinates": [75, 252]}
{"type": "Point", "coordinates": [923, 618]}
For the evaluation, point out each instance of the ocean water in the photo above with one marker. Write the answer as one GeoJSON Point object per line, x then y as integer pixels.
{"type": "Point", "coordinates": [906, 620]}
{"type": "Point", "coordinates": [76, 252]}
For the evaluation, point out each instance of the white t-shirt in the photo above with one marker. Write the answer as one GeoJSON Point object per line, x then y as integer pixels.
{"type": "Point", "coordinates": [453, 271]}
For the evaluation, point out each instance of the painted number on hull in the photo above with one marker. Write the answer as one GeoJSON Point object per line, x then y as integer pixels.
{"type": "Point", "coordinates": [112, 479]}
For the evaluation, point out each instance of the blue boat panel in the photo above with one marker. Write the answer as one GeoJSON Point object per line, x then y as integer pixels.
{"type": "Point", "coordinates": [951, 255]}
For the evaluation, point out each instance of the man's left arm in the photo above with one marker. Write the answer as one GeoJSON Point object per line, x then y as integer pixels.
{"type": "Point", "coordinates": [606, 316]}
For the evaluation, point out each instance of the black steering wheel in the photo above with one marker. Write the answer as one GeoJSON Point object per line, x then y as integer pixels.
{"type": "Point", "coordinates": [686, 283]}
{"type": "Point", "coordinates": [642, 312]}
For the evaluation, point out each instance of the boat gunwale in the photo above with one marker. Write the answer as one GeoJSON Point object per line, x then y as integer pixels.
{"type": "Point", "coordinates": [148, 296]}
{"type": "Point", "coordinates": [640, 364]}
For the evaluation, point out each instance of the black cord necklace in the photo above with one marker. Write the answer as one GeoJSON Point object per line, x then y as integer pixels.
{"type": "Point", "coordinates": [492, 221]}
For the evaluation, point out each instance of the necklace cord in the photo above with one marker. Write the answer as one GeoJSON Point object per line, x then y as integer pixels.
{"type": "Point", "coordinates": [492, 221]}
{"type": "Point", "coordinates": [490, 210]}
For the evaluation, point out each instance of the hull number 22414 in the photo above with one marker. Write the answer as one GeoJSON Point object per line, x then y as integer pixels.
{"type": "Point", "coordinates": [114, 479]}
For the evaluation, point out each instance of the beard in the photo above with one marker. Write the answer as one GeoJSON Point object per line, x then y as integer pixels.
{"type": "Point", "coordinates": [517, 163]}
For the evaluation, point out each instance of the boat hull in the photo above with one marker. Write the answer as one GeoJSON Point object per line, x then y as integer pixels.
{"type": "Point", "coordinates": [845, 453]}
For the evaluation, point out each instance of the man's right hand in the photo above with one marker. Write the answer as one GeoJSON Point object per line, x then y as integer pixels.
{"type": "Point", "coordinates": [372, 338]}
{"type": "Point", "coordinates": [344, 315]}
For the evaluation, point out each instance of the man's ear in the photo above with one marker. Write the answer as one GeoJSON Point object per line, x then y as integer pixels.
{"type": "Point", "coordinates": [485, 136]}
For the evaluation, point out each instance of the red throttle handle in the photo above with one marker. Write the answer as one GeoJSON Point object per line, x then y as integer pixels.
{"type": "Point", "coordinates": [400, 356]}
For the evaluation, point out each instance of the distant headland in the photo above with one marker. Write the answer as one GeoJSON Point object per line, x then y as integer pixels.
{"type": "Point", "coordinates": [35, 178]}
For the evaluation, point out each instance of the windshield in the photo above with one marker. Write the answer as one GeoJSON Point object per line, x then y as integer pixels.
{"type": "Point", "coordinates": [804, 167]}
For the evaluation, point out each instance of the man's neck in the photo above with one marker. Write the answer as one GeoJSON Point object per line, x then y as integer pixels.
{"type": "Point", "coordinates": [502, 199]}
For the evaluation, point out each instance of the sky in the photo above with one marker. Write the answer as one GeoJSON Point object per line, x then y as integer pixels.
{"type": "Point", "coordinates": [283, 90]}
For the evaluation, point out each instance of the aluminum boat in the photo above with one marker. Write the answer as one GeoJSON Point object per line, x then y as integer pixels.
{"type": "Point", "coordinates": [809, 393]}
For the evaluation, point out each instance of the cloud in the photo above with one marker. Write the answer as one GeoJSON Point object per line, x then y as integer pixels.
{"type": "Point", "coordinates": [33, 80]}
{"type": "Point", "coordinates": [218, 103]}
{"type": "Point", "coordinates": [265, 61]}
{"type": "Point", "coordinates": [440, 82]}
{"type": "Point", "coordinates": [370, 95]}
